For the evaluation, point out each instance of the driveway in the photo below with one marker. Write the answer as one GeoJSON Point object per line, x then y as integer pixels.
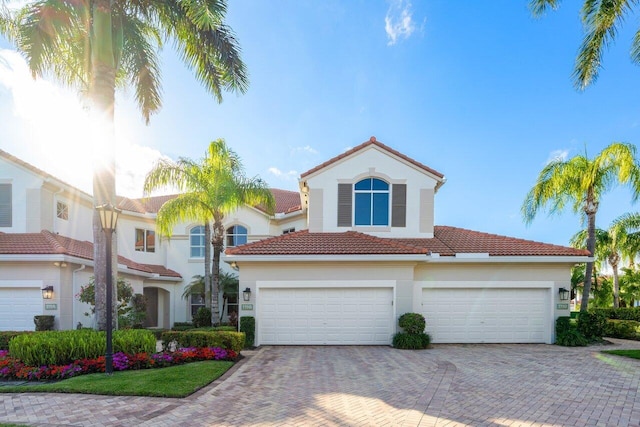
{"type": "Point", "coordinates": [448, 385]}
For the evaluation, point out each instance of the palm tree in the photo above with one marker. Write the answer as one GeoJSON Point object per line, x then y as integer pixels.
{"type": "Point", "coordinates": [581, 182]}
{"type": "Point", "coordinates": [601, 20]}
{"type": "Point", "coordinates": [98, 45]}
{"type": "Point", "coordinates": [210, 189]}
{"type": "Point", "coordinates": [228, 286]}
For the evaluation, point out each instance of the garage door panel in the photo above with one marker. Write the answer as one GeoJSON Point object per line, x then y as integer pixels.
{"type": "Point", "coordinates": [17, 308]}
{"type": "Point", "coordinates": [491, 315]}
{"type": "Point", "coordinates": [331, 316]}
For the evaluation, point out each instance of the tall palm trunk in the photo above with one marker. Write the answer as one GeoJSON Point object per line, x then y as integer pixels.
{"type": "Point", "coordinates": [218, 245]}
{"type": "Point", "coordinates": [102, 96]}
{"type": "Point", "coordinates": [207, 266]}
{"type": "Point", "coordinates": [614, 259]}
{"type": "Point", "coordinates": [590, 210]}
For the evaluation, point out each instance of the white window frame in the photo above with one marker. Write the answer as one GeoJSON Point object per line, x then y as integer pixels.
{"type": "Point", "coordinates": [200, 247]}
{"type": "Point", "coordinates": [145, 240]}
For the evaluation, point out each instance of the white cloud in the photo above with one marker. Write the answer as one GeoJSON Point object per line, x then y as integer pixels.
{"type": "Point", "coordinates": [305, 149]}
{"type": "Point", "coordinates": [558, 155]}
{"type": "Point", "coordinates": [49, 129]}
{"type": "Point", "coordinates": [399, 23]}
{"type": "Point", "coordinates": [286, 176]}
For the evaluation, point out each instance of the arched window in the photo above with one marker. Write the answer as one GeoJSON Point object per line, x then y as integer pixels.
{"type": "Point", "coordinates": [196, 241]}
{"type": "Point", "coordinates": [371, 197]}
{"type": "Point", "coordinates": [236, 235]}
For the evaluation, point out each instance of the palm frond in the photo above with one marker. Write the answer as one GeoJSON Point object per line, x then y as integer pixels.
{"type": "Point", "coordinates": [539, 7]}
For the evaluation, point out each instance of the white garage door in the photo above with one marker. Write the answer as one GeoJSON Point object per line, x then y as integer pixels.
{"type": "Point", "coordinates": [486, 315]}
{"type": "Point", "coordinates": [325, 316]}
{"type": "Point", "coordinates": [17, 308]}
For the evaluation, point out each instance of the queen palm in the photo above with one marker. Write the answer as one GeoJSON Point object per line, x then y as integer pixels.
{"type": "Point", "coordinates": [209, 189]}
{"type": "Point", "coordinates": [601, 20]}
{"type": "Point", "coordinates": [98, 45]}
{"type": "Point", "coordinates": [613, 245]}
{"type": "Point", "coordinates": [581, 182]}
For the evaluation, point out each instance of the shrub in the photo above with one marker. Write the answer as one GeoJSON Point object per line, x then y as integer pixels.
{"type": "Point", "coordinates": [63, 347]}
{"type": "Point", "coordinates": [44, 322]}
{"type": "Point", "coordinates": [412, 323]}
{"type": "Point", "coordinates": [248, 326]}
{"type": "Point", "coordinates": [625, 329]}
{"type": "Point", "coordinates": [622, 313]}
{"type": "Point", "coordinates": [571, 338]}
{"type": "Point", "coordinates": [407, 341]}
{"type": "Point", "coordinates": [563, 324]}
{"type": "Point", "coordinates": [182, 326]}
{"type": "Point", "coordinates": [225, 328]}
{"type": "Point", "coordinates": [87, 295]}
{"type": "Point", "coordinates": [5, 337]}
{"type": "Point", "coordinates": [227, 340]}
{"type": "Point", "coordinates": [202, 318]}
{"type": "Point", "coordinates": [591, 325]}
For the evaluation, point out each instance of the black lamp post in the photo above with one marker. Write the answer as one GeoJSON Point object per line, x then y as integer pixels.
{"type": "Point", "coordinates": [108, 220]}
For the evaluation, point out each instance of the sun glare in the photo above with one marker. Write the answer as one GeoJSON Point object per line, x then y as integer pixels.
{"type": "Point", "coordinates": [47, 126]}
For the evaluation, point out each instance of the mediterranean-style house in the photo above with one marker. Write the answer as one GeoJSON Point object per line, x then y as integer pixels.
{"type": "Point", "coordinates": [337, 263]}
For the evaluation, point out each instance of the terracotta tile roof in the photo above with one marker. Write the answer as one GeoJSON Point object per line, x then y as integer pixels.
{"type": "Point", "coordinates": [286, 202]}
{"type": "Point", "coordinates": [447, 241]}
{"type": "Point", "coordinates": [47, 243]}
{"type": "Point", "coordinates": [373, 141]}
{"type": "Point", "coordinates": [305, 243]}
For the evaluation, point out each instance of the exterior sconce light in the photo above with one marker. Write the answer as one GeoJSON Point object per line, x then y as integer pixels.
{"type": "Point", "coordinates": [246, 295]}
{"type": "Point", "coordinates": [47, 292]}
{"type": "Point", "coordinates": [234, 265]}
{"type": "Point", "coordinates": [564, 294]}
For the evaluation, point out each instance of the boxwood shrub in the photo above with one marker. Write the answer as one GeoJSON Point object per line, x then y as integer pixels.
{"type": "Point", "coordinates": [409, 341]}
{"type": "Point", "coordinates": [591, 325]}
{"type": "Point", "coordinates": [412, 323]}
{"type": "Point", "coordinates": [63, 347]}
{"type": "Point", "coordinates": [225, 339]}
{"type": "Point", "coordinates": [567, 333]}
{"type": "Point", "coordinates": [248, 326]}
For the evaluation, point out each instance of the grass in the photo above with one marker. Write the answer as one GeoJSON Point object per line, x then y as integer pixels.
{"type": "Point", "coordinates": [175, 381]}
{"type": "Point", "coordinates": [634, 354]}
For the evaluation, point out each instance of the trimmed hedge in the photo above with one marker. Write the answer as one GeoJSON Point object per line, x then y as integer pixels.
{"type": "Point", "coordinates": [64, 347]}
{"type": "Point", "coordinates": [224, 339]}
{"type": "Point", "coordinates": [412, 323]}
{"type": "Point", "coordinates": [623, 313]}
{"type": "Point", "coordinates": [248, 326]}
{"type": "Point", "coordinates": [625, 329]}
{"type": "Point", "coordinates": [567, 333]}
{"type": "Point", "coordinates": [407, 341]}
{"type": "Point", "coordinates": [5, 337]}
{"type": "Point", "coordinates": [591, 325]}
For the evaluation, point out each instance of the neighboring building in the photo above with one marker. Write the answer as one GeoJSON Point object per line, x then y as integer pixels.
{"type": "Point", "coordinates": [45, 240]}
{"type": "Point", "coordinates": [336, 264]}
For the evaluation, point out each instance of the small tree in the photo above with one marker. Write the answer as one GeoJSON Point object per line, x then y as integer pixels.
{"type": "Point", "coordinates": [124, 292]}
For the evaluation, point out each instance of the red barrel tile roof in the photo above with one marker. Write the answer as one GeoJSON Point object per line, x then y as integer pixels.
{"type": "Point", "coordinates": [447, 241]}
{"type": "Point", "coordinates": [47, 243]}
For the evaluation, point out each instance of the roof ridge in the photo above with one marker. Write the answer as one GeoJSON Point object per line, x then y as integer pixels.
{"type": "Point", "coordinates": [54, 242]}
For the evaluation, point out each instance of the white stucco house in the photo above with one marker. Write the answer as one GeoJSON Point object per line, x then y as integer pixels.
{"type": "Point", "coordinates": [337, 263]}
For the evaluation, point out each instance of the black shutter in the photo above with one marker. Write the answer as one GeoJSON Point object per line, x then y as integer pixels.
{"type": "Point", "coordinates": [345, 193]}
{"type": "Point", "coordinates": [399, 205]}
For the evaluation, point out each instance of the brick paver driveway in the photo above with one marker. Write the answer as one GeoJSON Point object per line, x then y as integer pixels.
{"type": "Point", "coordinates": [448, 385]}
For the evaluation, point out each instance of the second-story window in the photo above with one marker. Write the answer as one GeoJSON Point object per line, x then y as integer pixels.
{"type": "Point", "coordinates": [62, 210]}
{"type": "Point", "coordinates": [371, 202]}
{"type": "Point", "coordinates": [236, 235]}
{"type": "Point", "coordinates": [196, 242]}
{"type": "Point", "coordinates": [145, 240]}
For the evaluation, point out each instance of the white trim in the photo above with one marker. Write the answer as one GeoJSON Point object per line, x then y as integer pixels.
{"type": "Point", "coordinates": [308, 284]}
{"type": "Point", "coordinates": [321, 258]}
{"type": "Point", "coordinates": [513, 259]}
{"type": "Point", "coordinates": [512, 284]}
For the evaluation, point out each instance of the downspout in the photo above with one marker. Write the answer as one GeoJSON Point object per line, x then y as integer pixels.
{"type": "Point", "coordinates": [73, 283]}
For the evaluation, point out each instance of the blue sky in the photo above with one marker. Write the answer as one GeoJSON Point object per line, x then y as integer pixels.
{"type": "Point", "coordinates": [480, 91]}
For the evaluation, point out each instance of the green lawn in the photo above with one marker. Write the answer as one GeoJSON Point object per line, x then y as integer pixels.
{"type": "Point", "coordinates": [175, 381]}
{"type": "Point", "coordinates": [634, 354]}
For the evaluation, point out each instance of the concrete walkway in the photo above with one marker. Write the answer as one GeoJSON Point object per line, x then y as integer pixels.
{"type": "Point", "coordinates": [448, 385]}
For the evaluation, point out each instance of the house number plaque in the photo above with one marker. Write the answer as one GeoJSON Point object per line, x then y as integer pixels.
{"type": "Point", "coordinates": [563, 306]}
{"type": "Point", "coordinates": [51, 306]}
{"type": "Point", "coordinates": [247, 306]}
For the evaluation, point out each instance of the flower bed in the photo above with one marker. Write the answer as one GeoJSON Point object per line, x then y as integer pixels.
{"type": "Point", "coordinates": [14, 369]}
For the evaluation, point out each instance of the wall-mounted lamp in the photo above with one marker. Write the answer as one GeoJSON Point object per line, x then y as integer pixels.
{"type": "Point", "coordinates": [564, 294]}
{"type": "Point", "coordinates": [60, 264]}
{"type": "Point", "coordinates": [47, 292]}
{"type": "Point", "coordinates": [246, 295]}
{"type": "Point", "coordinates": [234, 265]}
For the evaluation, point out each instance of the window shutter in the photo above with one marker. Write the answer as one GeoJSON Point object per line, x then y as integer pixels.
{"type": "Point", "coordinates": [5, 205]}
{"type": "Point", "coordinates": [399, 205]}
{"type": "Point", "coordinates": [345, 194]}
